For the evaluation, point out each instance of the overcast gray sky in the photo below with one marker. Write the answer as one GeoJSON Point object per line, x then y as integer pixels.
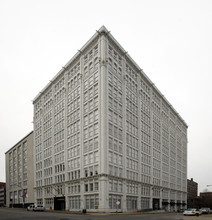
{"type": "Point", "coordinates": [171, 40]}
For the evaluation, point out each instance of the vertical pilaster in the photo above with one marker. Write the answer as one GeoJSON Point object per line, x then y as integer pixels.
{"type": "Point", "coordinates": [139, 141]}
{"type": "Point", "coordinates": [82, 198]}
{"type": "Point", "coordinates": [66, 196]}
{"type": "Point", "coordinates": [103, 194]}
{"type": "Point", "coordinates": [65, 139]}
{"type": "Point", "coordinates": [103, 125]}
{"type": "Point", "coordinates": [151, 151]}
{"type": "Point", "coordinates": [124, 199]}
{"type": "Point", "coordinates": [124, 120]}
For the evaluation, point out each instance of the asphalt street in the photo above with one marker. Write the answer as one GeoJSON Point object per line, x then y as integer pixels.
{"type": "Point", "coordinates": [22, 214]}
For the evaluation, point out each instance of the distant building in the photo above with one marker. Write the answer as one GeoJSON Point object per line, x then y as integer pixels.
{"type": "Point", "coordinates": [192, 192]}
{"type": "Point", "coordinates": [2, 194]}
{"type": "Point", "coordinates": [206, 199]}
{"type": "Point", "coordinates": [20, 173]}
{"type": "Point", "coordinates": [192, 189]}
{"type": "Point", "coordinates": [203, 200]}
{"type": "Point", "coordinates": [106, 139]}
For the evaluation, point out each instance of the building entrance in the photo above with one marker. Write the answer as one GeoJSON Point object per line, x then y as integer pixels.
{"type": "Point", "coordinates": [59, 203]}
{"type": "Point", "coordinates": [156, 204]}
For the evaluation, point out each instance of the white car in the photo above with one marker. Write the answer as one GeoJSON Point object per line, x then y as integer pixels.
{"type": "Point", "coordinates": [30, 208]}
{"type": "Point", "coordinates": [190, 212]}
{"type": "Point", "coordinates": [35, 208]}
{"type": "Point", "coordinates": [39, 208]}
{"type": "Point", "coordinates": [205, 210]}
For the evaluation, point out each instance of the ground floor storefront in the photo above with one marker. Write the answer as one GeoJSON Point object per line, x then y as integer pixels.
{"type": "Point", "coordinates": [115, 203]}
{"type": "Point", "coordinates": [109, 194]}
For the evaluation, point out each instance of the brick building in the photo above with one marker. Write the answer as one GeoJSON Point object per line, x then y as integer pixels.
{"type": "Point", "coordinates": [192, 192]}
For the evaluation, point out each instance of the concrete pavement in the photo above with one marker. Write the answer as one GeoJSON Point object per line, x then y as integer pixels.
{"type": "Point", "coordinates": [201, 217]}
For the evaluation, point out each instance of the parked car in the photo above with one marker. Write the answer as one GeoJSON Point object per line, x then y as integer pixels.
{"type": "Point", "coordinates": [35, 208]}
{"type": "Point", "coordinates": [30, 208]}
{"type": "Point", "coordinates": [39, 208]}
{"type": "Point", "coordinates": [205, 210]}
{"type": "Point", "coordinates": [181, 210]}
{"type": "Point", "coordinates": [190, 212]}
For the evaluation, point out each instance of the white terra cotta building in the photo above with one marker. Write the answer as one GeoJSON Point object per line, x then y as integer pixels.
{"type": "Point", "coordinates": [106, 139]}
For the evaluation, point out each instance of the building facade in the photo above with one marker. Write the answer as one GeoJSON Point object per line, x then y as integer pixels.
{"type": "Point", "coordinates": [106, 139]}
{"type": "Point", "coordinates": [192, 189]}
{"type": "Point", "coordinates": [2, 194]}
{"type": "Point", "coordinates": [192, 192]}
{"type": "Point", "coordinates": [206, 199]}
{"type": "Point", "coordinates": [20, 173]}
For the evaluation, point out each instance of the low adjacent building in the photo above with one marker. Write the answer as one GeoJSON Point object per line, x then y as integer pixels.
{"type": "Point", "coordinates": [195, 201]}
{"type": "Point", "coordinates": [206, 199]}
{"type": "Point", "coordinates": [2, 194]}
{"type": "Point", "coordinates": [20, 173]}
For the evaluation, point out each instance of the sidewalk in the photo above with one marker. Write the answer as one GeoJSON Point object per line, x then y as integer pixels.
{"type": "Point", "coordinates": [202, 217]}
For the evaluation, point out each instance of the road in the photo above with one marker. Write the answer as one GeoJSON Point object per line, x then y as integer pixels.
{"type": "Point", "coordinates": [16, 214]}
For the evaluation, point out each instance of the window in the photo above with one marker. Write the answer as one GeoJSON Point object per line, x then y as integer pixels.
{"type": "Point", "coordinates": [91, 158]}
{"type": "Point", "coordinates": [96, 63]}
{"type": "Point", "coordinates": [74, 202]}
{"type": "Point", "coordinates": [96, 156]}
{"type": "Point", "coordinates": [96, 186]}
{"type": "Point", "coordinates": [91, 201]}
{"type": "Point", "coordinates": [86, 159]}
{"type": "Point", "coordinates": [86, 71]}
{"type": "Point", "coordinates": [86, 187]}
{"type": "Point", "coordinates": [91, 187]}
{"type": "Point", "coordinates": [145, 203]}
{"type": "Point", "coordinates": [131, 202]}
{"type": "Point", "coordinates": [90, 67]}
{"type": "Point", "coordinates": [110, 63]}
{"type": "Point", "coordinates": [115, 67]}
{"type": "Point", "coordinates": [113, 201]}
{"type": "Point", "coordinates": [119, 71]}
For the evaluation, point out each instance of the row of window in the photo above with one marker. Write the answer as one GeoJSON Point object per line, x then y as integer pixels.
{"type": "Point", "coordinates": [91, 144]}
{"type": "Point", "coordinates": [115, 55]}
{"type": "Point", "coordinates": [91, 80]}
{"type": "Point", "coordinates": [114, 81]}
{"type": "Point", "coordinates": [91, 117]}
{"type": "Point", "coordinates": [115, 131]}
{"type": "Point", "coordinates": [92, 66]}
{"type": "Point", "coordinates": [115, 118]}
{"type": "Point", "coordinates": [74, 81]}
{"type": "Point", "coordinates": [131, 118]}
{"type": "Point", "coordinates": [115, 186]}
{"type": "Point", "coordinates": [115, 145]}
{"type": "Point", "coordinates": [115, 158]}
{"type": "Point", "coordinates": [114, 67]}
{"type": "Point", "coordinates": [91, 131]}
{"type": "Point", "coordinates": [91, 187]}
{"type": "Point", "coordinates": [90, 158]}
{"type": "Point", "coordinates": [131, 84]}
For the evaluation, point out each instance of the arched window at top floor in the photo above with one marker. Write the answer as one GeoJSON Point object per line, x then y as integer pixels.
{"type": "Point", "coordinates": [90, 66]}
{"type": "Point", "coordinates": [110, 63]}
